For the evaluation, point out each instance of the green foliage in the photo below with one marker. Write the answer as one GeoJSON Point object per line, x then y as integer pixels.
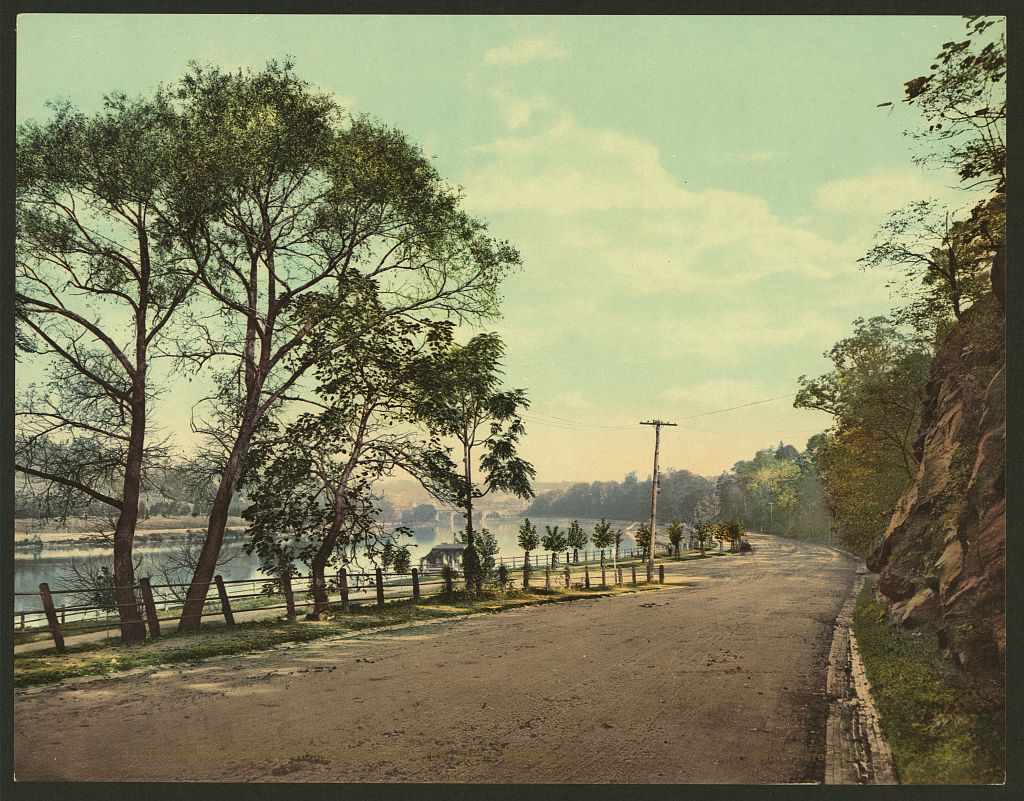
{"type": "Point", "coordinates": [875, 394]}
{"type": "Point", "coordinates": [505, 577]}
{"type": "Point", "coordinates": [472, 569]}
{"type": "Point", "coordinates": [554, 541]}
{"type": "Point", "coordinates": [643, 538]}
{"type": "Point", "coordinates": [463, 402]}
{"type": "Point", "coordinates": [943, 726]}
{"type": "Point", "coordinates": [675, 534]}
{"type": "Point", "coordinates": [703, 532]}
{"type": "Point", "coordinates": [942, 264]}
{"type": "Point", "coordinates": [448, 575]}
{"type": "Point", "coordinates": [682, 495]}
{"type": "Point", "coordinates": [528, 538]}
{"type": "Point", "coordinates": [733, 532]}
{"type": "Point", "coordinates": [604, 536]}
{"type": "Point", "coordinates": [487, 547]}
{"type": "Point", "coordinates": [963, 100]}
{"type": "Point", "coordinates": [399, 559]}
{"type": "Point", "coordinates": [575, 538]}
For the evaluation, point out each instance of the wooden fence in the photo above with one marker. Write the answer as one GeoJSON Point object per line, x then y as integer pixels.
{"type": "Point", "coordinates": [348, 588]}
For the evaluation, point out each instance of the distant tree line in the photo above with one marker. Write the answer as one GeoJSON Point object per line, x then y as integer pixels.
{"type": "Point", "coordinates": [779, 492]}
{"type": "Point", "coordinates": [684, 496]}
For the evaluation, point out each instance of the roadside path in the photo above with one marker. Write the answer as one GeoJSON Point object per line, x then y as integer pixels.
{"type": "Point", "coordinates": [719, 680]}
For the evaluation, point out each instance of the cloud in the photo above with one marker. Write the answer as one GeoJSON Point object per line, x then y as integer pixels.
{"type": "Point", "coordinates": [569, 169]}
{"type": "Point", "coordinates": [517, 112]}
{"type": "Point", "coordinates": [748, 157]}
{"type": "Point", "coordinates": [525, 51]}
{"type": "Point", "coordinates": [877, 194]}
{"type": "Point", "coordinates": [608, 193]}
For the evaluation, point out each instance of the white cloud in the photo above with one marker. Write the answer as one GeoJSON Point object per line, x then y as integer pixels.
{"type": "Point", "coordinates": [569, 169]}
{"type": "Point", "coordinates": [517, 112]}
{"type": "Point", "coordinates": [878, 194]}
{"type": "Point", "coordinates": [524, 51]}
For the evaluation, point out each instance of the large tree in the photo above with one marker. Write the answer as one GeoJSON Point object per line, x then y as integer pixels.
{"type": "Point", "coordinates": [314, 484]}
{"type": "Point", "coordinates": [875, 395]}
{"type": "Point", "coordinates": [295, 205]}
{"type": "Point", "coordinates": [99, 279]}
{"type": "Point", "coordinates": [943, 262]}
{"type": "Point", "coordinates": [467, 405]}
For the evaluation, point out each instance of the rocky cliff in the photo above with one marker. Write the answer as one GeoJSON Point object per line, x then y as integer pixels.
{"type": "Point", "coordinates": [942, 561]}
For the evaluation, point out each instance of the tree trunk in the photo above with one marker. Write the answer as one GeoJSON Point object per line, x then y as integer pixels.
{"type": "Point", "coordinates": [575, 556]}
{"type": "Point", "coordinates": [317, 581]}
{"type": "Point", "coordinates": [195, 597]}
{"type": "Point", "coordinates": [133, 628]}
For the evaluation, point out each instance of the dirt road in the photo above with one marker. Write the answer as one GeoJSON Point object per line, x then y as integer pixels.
{"type": "Point", "coordinates": [721, 680]}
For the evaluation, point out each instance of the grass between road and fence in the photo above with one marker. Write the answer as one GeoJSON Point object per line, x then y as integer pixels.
{"type": "Point", "coordinates": [108, 657]}
{"type": "Point", "coordinates": [161, 605]}
{"type": "Point", "coordinates": [943, 727]}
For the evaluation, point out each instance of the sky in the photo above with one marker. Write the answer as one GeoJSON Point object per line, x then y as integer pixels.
{"type": "Point", "coordinates": [689, 195]}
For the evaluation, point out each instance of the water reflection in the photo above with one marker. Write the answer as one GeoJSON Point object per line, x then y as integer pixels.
{"type": "Point", "coordinates": [52, 564]}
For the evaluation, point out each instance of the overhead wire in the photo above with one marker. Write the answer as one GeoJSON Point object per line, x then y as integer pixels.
{"type": "Point", "coordinates": [566, 424]}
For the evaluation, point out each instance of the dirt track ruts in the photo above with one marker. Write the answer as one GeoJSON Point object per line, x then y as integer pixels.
{"type": "Point", "coordinates": [719, 680]}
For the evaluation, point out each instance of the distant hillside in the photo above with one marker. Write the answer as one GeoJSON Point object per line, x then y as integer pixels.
{"type": "Point", "coordinates": [684, 496]}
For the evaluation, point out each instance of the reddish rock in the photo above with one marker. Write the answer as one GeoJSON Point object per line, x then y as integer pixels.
{"type": "Point", "coordinates": [942, 561]}
{"type": "Point", "coordinates": [923, 609]}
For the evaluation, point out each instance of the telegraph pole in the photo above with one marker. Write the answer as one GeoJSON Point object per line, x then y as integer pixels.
{"type": "Point", "coordinates": [654, 491]}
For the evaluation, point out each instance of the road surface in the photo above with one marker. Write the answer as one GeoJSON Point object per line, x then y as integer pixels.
{"type": "Point", "coordinates": [720, 679]}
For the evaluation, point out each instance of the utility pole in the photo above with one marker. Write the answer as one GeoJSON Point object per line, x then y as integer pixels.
{"type": "Point", "coordinates": [654, 491]}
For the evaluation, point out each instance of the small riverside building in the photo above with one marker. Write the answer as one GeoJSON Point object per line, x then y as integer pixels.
{"type": "Point", "coordinates": [446, 553]}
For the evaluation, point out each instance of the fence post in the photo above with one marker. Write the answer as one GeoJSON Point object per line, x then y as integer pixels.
{"type": "Point", "coordinates": [634, 574]}
{"type": "Point", "coordinates": [289, 599]}
{"type": "Point", "coordinates": [21, 624]}
{"type": "Point", "coordinates": [586, 576]}
{"type": "Point", "coordinates": [380, 588]}
{"type": "Point", "coordinates": [547, 579]}
{"type": "Point", "coordinates": [415, 584]}
{"type": "Point", "coordinates": [619, 571]}
{"type": "Point", "coordinates": [225, 604]}
{"type": "Point", "coordinates": [568, 576]}
{"type": "Point", "coordinates": [51, 616]}
{"type": "Point", "coordinates": [147, 601]}
{"type": "Point", "coordinates": [661, 574]}
{"type": "Point", "coordinates": [526, 575]}
{"type": "Point", "coordinates": [343, 581]}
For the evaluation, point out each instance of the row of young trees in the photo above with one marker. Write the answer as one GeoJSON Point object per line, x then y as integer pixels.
{"type": "Point", "coordinates": [241, 228]}
{"type": "Point", "coordinates": [606, 537]}
{"type": "Point", "coordinates": [944, 264]}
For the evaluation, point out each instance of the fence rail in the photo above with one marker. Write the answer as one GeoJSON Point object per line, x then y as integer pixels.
{"type": "Point", "coordinates": [351, 589]}
{"type": "Point", "coordinates": [355, 588]}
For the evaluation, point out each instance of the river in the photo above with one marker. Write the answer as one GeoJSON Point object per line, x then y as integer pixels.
{"type": "Point", "coordinates": [52, 564]}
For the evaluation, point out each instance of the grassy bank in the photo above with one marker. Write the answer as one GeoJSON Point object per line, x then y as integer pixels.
{"type": "Point", "coordinates": [109, 657]}
{"type": "Point", "coordinates": [943, 727]}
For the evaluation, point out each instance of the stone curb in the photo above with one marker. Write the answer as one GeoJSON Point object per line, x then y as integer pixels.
{"type": "Point", "coordinates": [856, 751]}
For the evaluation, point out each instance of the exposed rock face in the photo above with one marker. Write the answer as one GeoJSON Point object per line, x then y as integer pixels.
{"type": "Point", "coordinates": [943, 559]}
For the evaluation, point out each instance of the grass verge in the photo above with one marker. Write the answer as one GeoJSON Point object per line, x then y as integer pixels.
{"type": "Point", "coordinates": [109, 657]}
{"type": "Point", "coordinates": [943, 726]}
